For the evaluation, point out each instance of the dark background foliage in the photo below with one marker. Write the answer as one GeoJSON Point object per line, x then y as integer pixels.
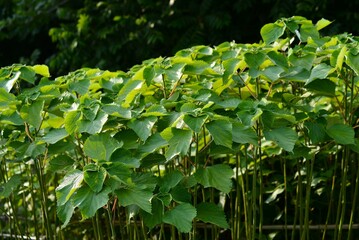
{"type": "Point", "coordinates": [116, 34]}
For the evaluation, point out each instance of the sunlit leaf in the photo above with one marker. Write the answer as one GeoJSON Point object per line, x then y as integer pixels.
{"type": "Point", "coordinates": [70, 183]}
{"type": "Point", "coordinates": [42, 70]}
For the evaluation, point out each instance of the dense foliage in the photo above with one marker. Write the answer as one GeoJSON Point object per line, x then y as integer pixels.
{"type": "Point", "coordinates": [213, 142]}
{"type": "Point", "coordinates": [112, 34]}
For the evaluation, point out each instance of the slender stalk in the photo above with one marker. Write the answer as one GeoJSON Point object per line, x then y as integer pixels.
{"type": "Point", "coordinates": [355, 199]}
{"type": "Point", "coordinates": [331, 198]}
{"type": "Point", "coordinates": [285, 199]}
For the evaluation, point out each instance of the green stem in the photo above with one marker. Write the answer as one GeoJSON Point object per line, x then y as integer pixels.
{"type": "Point", "coordinates": [355, 197]}
{"type": "Point", "coordinates": [331, 198]}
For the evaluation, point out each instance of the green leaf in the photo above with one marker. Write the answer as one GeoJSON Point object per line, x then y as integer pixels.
{"type": "Point", "coordinates": [153, 143]}
{"type": "Point", "coordinates": [55, 135]}
{"type": "Point", "coordinates": [196, 67]}
{"type": "Point", "coordinates": [61, 163]}
{"type": "Point", "coordinates": [273, 73]}
{"type": "Point", "coordinates": [284, 137]}
{"type": "Point", "coordinates": [316, 132]}
{"type": "Point", "coordinates": [221, 131]}
{"type": "Point", "coordinates": [180, 194]}
{"type": "Point", "coordinates": [28, 74]}
{"type": "Point", "coordinates": [353, 62]}
{"type": "Point", "coordinates": [143, 127]}
{"type": "Point", "coordinates": [323, 87]}
{"type": "Point", "coordinates": [89, 202]}
{"type": "Point", "coordinates": [70, 183]}
{"type": "Point", "coordinates": [101, 146]}
{"type": "Point", "coordinates": [170, 180]}
{"type": "Point", "coordinates": [271, 32]}
{"type": "Point", "coordinates": [33, 113]}
{"type": "Point", "coordinates": [10, 186]}
{"type": "Point", "coordinates": [278, 59]}
{"type": "Point", "coordinates": [195, 123]}
{"type": "Point", "coordinates": [130, 196]}
{"type": "Point", "coordinates": [65, 212]}
{"type": "Point", "coordinates": [341, 133]}
{"type": "Point", "coordinates": [179, 143]}
{"type": "Point", "coordinates": [152, 159]}
{"type": "Point", "coordinates": [149, 74]}
{"type": "Point", "coordinates": [94, 176]}
{"type": "Point", "coordinates": [211, 213]}
{"type": "Point", "coordinates": [9, 83]}
{"type": "Point", "coordinates": [254, 60]}
{"type": "Point", "coordinates": [71, 120]}
{"type": "Point", "coordinates": [93, 126]}
{"type": "Point", "coordinates": [216, 176]}
{"type": "Point", "coordinates": [322, 23]}
{"type": "Point", "coordinates": [244, 135]}
{"type": "Point", "coordinates": [117, 111]}
{"type": "Point", "coordinates": [154, 218]}
{"type": "Point", "coordinates": [42, 70]}
{"type": "Point", "coordinates": [181, 217]}
{"type": "Point", "coordinates": [320, 71]}
{"type": "Point", "coordinates": [6, 99]}
{"type": "Point", "coordinates": [129, 91]}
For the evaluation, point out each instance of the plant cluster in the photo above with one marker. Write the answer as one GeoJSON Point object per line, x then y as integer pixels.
{"type": "Point", "coordinates": [212, 142]}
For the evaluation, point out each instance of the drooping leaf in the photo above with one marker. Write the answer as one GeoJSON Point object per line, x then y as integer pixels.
{"type": "Point", "coordinates": [65, 212]}
{"type": "Point", "coordinates": [211, 213]}
{"type": "Point", "coordinates": [285, 137]}
{"type": "Point", "coordinates": [217, 176]}
{"type": "Point", "coordinates": [129, 91]}
{"type": "Point", "coordinates": [130, 196]}
{"type": "Point", "coordinates": [323, 87]}
{"type": "Point", "coordinates": [181, 217]}
{"type": "Point", "coordinates": [221, 131]}
{"type": "Point", "coordinates": [353, 62]}
{"type": "Point", "coordinates": [8, 187]}
{"type": "Point", "coordinates": [101, 146]}
{"type": "Point", "coordinates": [154, 218]}
{"type": "Point", "coordinates": [28, 74]}
{"type": "Point", "coordinates": [89, 202]}
{"type": "Point", "coordinates": [179, 143]}
{"type": "Point", "coordinates": [341, 133]}
{"type": "Point", "coordinates": [143, 127]}
{"type": "Point", "coordinates": [70, 183]}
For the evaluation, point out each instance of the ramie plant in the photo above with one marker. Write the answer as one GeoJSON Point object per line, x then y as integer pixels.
{"type": "Point", "coordinates": [240, 141]}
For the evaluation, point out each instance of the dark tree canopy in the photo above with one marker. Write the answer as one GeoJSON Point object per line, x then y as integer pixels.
{"type": "Point", "coordinates": [114, 34]}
